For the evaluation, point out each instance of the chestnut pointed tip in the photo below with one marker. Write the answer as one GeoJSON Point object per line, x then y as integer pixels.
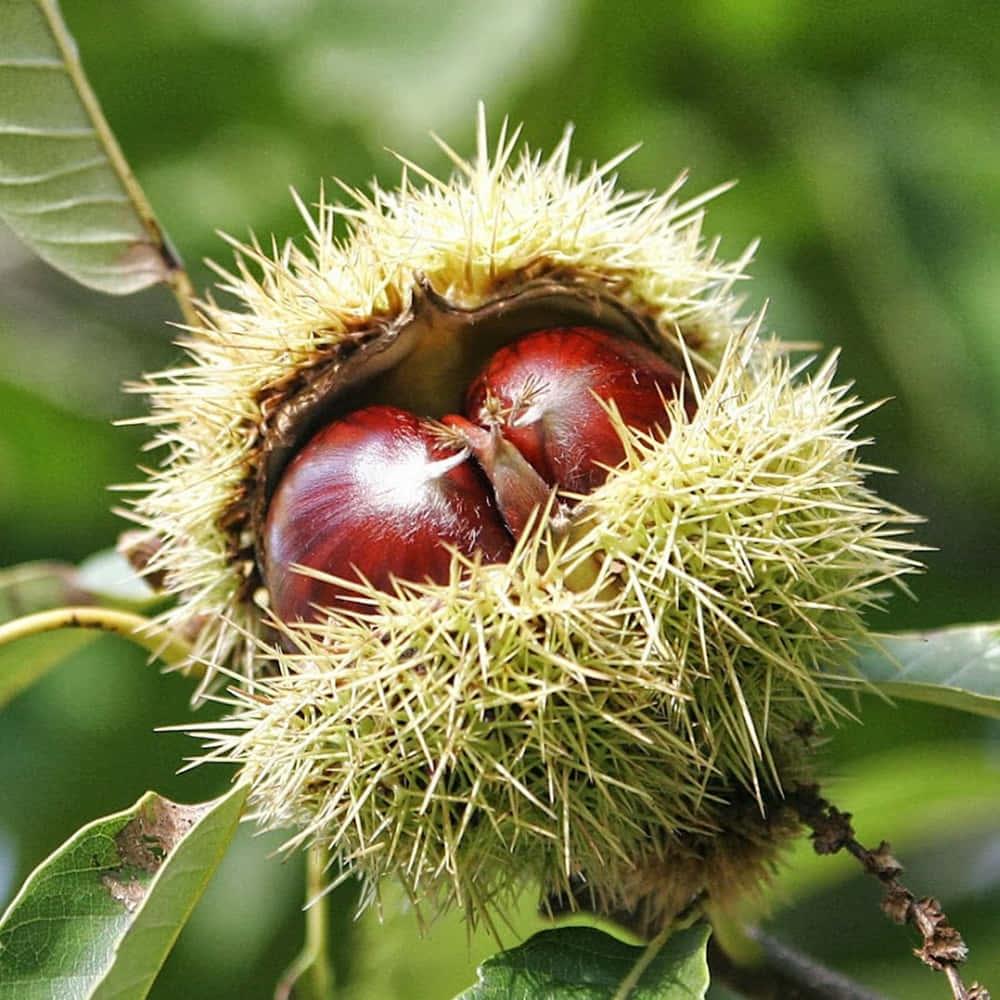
{"type": "Point", "coordinates": [519, 490]}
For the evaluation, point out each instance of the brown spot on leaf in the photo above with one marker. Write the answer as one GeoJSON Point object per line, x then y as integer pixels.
{"type": "Point", "coordinates": [129, 893]}
{"type": "Point", "coordinates": [144, 843]}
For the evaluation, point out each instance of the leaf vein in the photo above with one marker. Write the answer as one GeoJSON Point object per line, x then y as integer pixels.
{"type": "Point", "coordinates": [68, 204]}
{"type": "Point", "coordinates": [56, 173]}
{"type": "Point", "coordinates": [35, 62]}
{"type": "Point", "coordinates": [48, 133]}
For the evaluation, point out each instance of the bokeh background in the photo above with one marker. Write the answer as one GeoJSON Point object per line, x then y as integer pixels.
{"type": "Point", "coordinates": [865, 140]}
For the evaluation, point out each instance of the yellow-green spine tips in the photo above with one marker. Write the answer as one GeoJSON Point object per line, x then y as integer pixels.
{"type": "Point", "coordinates": [628, 674]}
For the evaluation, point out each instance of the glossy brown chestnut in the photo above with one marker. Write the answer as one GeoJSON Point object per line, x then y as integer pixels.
{"type": "Point", "coordinates": [543, 390]}
{"type": "Point", "coordinates": [380, 493]}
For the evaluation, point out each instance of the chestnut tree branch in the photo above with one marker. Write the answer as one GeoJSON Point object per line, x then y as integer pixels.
{"type": "Point", "coordinates": [943, 948]}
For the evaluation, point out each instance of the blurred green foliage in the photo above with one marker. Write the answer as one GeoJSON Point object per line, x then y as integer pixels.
{"type": "Point", "coordinates": [864, 138]}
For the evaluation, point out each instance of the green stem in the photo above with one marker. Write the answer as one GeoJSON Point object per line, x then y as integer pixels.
{"type": "Point", "coordinates": [653, 949]}
{"type": "Point", "coordinates": [172, 650]}
{"type": "Point", "coordinates": [311, 973]}
{"type": "Point", "coordinates": [175, 275]}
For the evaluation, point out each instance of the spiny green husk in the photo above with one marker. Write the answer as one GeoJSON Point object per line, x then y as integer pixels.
{"type": "Point", "coordinates": [613, 716]}
{"type": "Point", "coordinates": [499, 221]}
{"type": "Point", "coordinates": [518, 725]}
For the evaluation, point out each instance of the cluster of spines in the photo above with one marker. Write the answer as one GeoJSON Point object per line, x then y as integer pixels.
{"type": "Point", "coordinates": [536, 716]}
{"type": "Point", "coordinates": [500, 219]}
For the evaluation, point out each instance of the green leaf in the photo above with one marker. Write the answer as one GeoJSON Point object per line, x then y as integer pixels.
{"type": "Point", "coordinates": [25, 589]}
{"type": "Point", "coordinates": [957, 667]}
{"type": "Point", "coordinates": [70, 607]}
{"type": "Point", "coordinates": [581, 963]}
{"type": "Point", "coordinates": [97, 918]}
{"type": "Point", "coordinates": [24, 662]}
{"type": "Point", "coordinates": [35, 586]}
{"type": "Point", "coordinates": [104, 578]}
{"type": "Point", "coordinates": [104, 595]}
{"type": "Point", "coordinates": [22, 636]}
{"type": "Point", "coordinates": [65, 188]}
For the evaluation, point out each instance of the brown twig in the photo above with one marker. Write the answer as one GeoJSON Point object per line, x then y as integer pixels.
{"type": "Point", "coordinates": [943, 948]}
